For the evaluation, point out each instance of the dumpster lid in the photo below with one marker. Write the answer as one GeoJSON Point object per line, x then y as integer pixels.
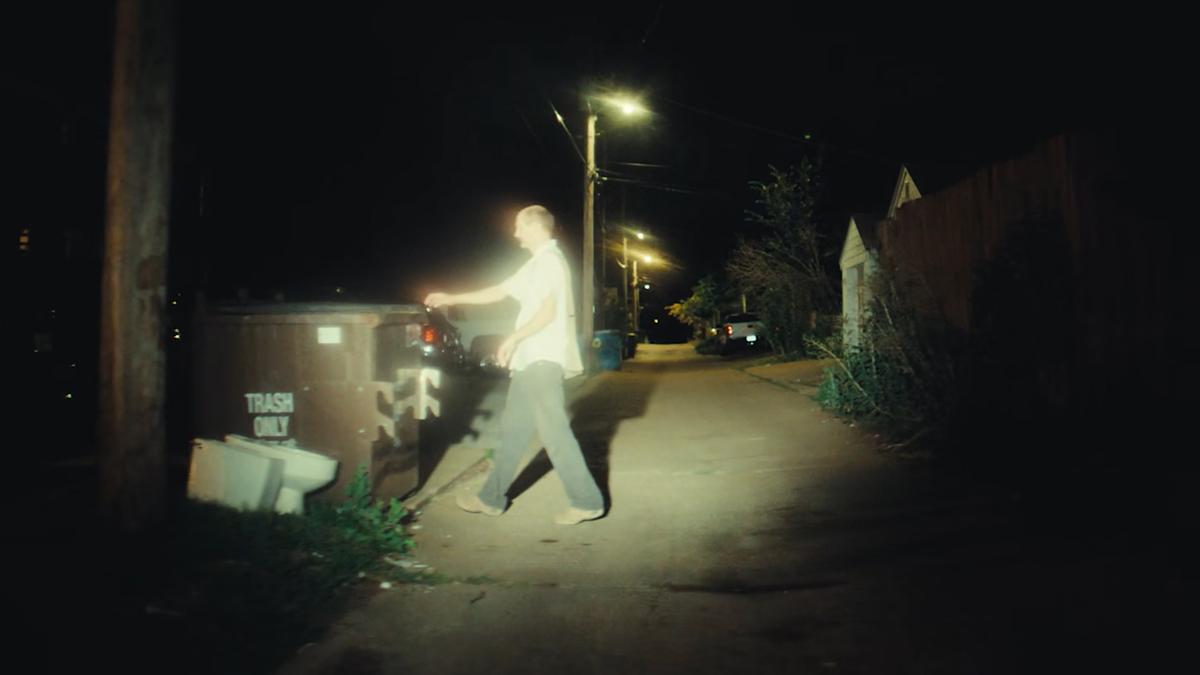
{"type": "Point", "coordinates": [310, 312]}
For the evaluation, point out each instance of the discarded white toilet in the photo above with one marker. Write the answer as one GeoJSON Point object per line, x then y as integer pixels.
{"type": "Point", "coordinates": [303, 470]}
{"type": "Point", "coordinates": [246, 474]}
{"type": "Point", "coordinates": [226, 475]}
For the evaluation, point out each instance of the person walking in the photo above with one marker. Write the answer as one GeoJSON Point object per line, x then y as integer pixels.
{"type": "Point", "coordinates": [540, 353]}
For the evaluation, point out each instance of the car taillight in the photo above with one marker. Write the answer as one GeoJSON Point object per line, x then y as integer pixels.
{"type": "Point", "coordinates": [729, 330]}
{"type": "Point", "coordinates": [428, 334]}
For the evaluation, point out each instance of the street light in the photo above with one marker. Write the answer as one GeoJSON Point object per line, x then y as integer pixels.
{"type": "Point", "coordinates": [629, 107]}
{"type": "Point", "coordinates": [624, 264]}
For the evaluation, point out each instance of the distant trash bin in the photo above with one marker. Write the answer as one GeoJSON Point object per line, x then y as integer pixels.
{"type": "Point", "coordinates": [631, 343]}
{"type": "Point", "coordinates": [608, 345]}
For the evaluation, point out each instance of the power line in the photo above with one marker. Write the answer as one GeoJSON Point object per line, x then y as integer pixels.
{"type": "Point", "coordinates": [807, 139]}
{"type": "Point", "coordinates": [653, 186]}
{"type": "Point", "coordinates": [616, 177]}
{"type": "Point", "coordinates": [643, 165]}
{"type": "Point", "coordinates": [529, 128]}
{"type": "Point", "coordinates": [563, 123]}
{"type": "Point", "coordinates": [653, 25]}
{"type": "Point", "coordinates": [747, 125]}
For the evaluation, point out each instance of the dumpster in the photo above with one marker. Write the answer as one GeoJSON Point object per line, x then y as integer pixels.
{"type": "Point", "coordinates": [608, 345]}
{"type": "Point", "coordinates": [345, 380]}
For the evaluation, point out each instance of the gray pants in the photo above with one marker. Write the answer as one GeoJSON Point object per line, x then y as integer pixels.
{"type": "Point", "coordinates": [535, 405]}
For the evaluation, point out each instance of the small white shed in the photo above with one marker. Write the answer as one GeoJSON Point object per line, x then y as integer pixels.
{"type": "Point", "coordinates": [860, 250]}
{"type": "Point", "coordinates": [860, 258]}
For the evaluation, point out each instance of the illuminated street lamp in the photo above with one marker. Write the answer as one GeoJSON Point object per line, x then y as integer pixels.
{"type": "Point", "coordinates": [624, 263]}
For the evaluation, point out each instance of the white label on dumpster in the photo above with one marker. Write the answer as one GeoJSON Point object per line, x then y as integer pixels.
{"type": "Point", "coordinates": [329, 335]}
{"type": "Point", "coordinates": [270, 425]}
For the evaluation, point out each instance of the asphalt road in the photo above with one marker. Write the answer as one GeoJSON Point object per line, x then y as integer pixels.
{"type": "Point", "coordinates": [750, 531]}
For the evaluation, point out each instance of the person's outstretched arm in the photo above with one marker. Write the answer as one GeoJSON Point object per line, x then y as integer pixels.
{"type": "Point", "coordinates": [481, 297]}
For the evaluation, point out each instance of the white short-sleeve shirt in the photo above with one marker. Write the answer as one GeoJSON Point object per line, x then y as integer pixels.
{"type": "Point", "coordinates": [545, 273]}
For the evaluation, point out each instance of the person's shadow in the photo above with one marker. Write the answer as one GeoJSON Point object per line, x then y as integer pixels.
{"type": "Point", "coordinates": [595, 418]}
{"type": "Point", "coordinates": [461, 395]}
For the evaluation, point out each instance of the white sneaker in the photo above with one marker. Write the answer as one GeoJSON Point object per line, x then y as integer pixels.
{"type": "Point", "coordinates": [574, 516]}
{"type": "Point", "coordinates": [473, 504]}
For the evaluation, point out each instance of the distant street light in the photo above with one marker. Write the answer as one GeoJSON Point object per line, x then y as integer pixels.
{"type": "Point", "coordinates": [624, 264]}
{"type": "Point", "coordinates": [637, 308]}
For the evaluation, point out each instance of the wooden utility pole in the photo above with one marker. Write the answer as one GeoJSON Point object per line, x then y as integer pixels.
{"type": "Point", "coordinates": [589, 233]}
{"type": "Point", "coordinates": [132, 426]}
{"type": "Point", "coordinates": [637, 298]}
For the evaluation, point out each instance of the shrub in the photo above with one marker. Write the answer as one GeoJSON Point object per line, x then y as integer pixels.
{"type": "Point", "coordinates": [902, 374]}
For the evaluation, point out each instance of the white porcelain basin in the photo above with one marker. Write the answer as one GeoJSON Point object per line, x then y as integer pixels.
{"type": "Point", "coordinates": [231, 476]}
{"type": "Point", "coordinates": [303, 470]}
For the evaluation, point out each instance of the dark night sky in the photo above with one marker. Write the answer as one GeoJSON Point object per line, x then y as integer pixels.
{"type": "Point", "coordinates": [384, 152]}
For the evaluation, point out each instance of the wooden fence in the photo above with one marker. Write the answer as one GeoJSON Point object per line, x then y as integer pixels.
{"type": "Point", "coordinates": [1052, 252]}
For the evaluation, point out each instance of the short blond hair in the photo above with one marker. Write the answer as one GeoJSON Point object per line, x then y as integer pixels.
{"type": "Point", "coordinates": [538, 214]}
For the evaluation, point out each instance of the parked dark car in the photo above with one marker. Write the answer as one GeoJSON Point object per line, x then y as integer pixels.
{"type": "Point", "coordinates": [483, 328]}
{"type": "Point", "coordinates": [483, 354]}
{"type": "Point", "coordinates": [440, 343]}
